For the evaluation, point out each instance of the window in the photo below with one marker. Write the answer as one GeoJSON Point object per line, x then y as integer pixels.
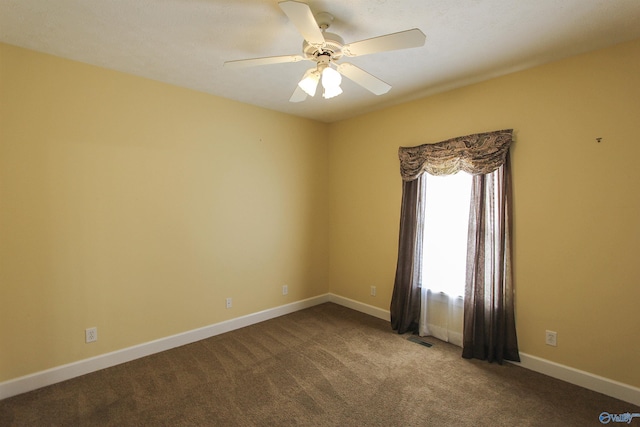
{"type": "Point", "coordinates": [444, 263]}
{"type": "Point", "coordinates": [445, 233]}
{"type": "Point", "coordinates": [490, 332]}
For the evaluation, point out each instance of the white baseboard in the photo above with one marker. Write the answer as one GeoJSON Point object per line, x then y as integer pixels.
{"type": "Point", "coordinates": [361, 307]}
{"type": "Point", "coordinates": [584, 379]}
{"type": "Point", "coordinates": [57, 374]}
{"type": "Point", "coordinates": [65, 372]}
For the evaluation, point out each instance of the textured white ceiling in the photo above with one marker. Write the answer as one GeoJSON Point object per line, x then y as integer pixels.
{"type": "Point", "coordinates": [185, 42]}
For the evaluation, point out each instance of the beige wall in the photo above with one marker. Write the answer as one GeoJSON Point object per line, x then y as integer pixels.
{"type": "Point", "coordinates": [577, 203]}
{"type": "Point", "coordinates": [138, 207]}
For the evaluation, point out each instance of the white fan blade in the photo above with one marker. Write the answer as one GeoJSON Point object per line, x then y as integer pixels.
{"type": "Point", "coordinates": [301, 16]}
{"type": "Point", "coordinates": [298, 95]}
{"type": "Point", "coordinates": [364, 79]}
{"type": "Point", "coordinates": [242, 63]}
{"type": "Point", "coordinates": [395, 41]}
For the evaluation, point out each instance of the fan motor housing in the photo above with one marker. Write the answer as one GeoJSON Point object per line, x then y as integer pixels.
{"type": "Point", "coordinates": [332, 45]}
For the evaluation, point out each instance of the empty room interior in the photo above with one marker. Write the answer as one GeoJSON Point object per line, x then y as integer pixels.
{"type": "Point", "coordinates": [148, 203]}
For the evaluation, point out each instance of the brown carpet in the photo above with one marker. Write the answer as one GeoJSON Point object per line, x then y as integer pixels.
{"type": "Point", "coordinates": [324, 366]}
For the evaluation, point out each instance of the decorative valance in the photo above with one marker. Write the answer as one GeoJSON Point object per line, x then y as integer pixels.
{"type": "Point", "coordinates": [480, 153]}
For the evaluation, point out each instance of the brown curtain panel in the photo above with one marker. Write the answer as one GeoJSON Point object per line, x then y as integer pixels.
{"type": "Point", "coordinates": [489, 331]}
{"type": "Point", "coordinates": [489, 320]}
{"type": "Point", "coordinates": [405, 300]}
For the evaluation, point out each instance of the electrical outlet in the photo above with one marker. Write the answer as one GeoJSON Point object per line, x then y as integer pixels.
{"type": "Point", "coordinates": [285, 289]}
{"type": "Point", "coordinates": [373, 291]}
{"type": "Point", "coordinates": [90, 335]}
{"type": "Point", "coordinates": [551, 338]}
{"type": "Point", "coordinates": [228, 303]}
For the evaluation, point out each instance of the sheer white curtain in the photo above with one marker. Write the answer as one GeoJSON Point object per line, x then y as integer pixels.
{"type": "Point", "coordinates": [444, 259]}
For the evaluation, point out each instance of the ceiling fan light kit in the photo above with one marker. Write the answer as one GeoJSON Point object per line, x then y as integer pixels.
{"type": "Point", "coordinates": [325, 49]}
{"type": "Point", "coordinates": [331, 79]}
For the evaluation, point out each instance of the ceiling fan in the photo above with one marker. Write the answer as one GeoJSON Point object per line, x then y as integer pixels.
{"type": "Point", "coordinates": [325, 49]}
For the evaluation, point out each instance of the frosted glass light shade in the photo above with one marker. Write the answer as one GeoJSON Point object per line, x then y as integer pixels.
{"type": "Point", "coordinates": [331, 78]}
{"type": "Point", "coordinates": [309, 82]}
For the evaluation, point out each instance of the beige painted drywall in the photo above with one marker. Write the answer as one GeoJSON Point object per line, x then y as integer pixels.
{"type": "Point", "coordinates": [577, 203]}
{"type": "Point", "coordinates": [137, 207]}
